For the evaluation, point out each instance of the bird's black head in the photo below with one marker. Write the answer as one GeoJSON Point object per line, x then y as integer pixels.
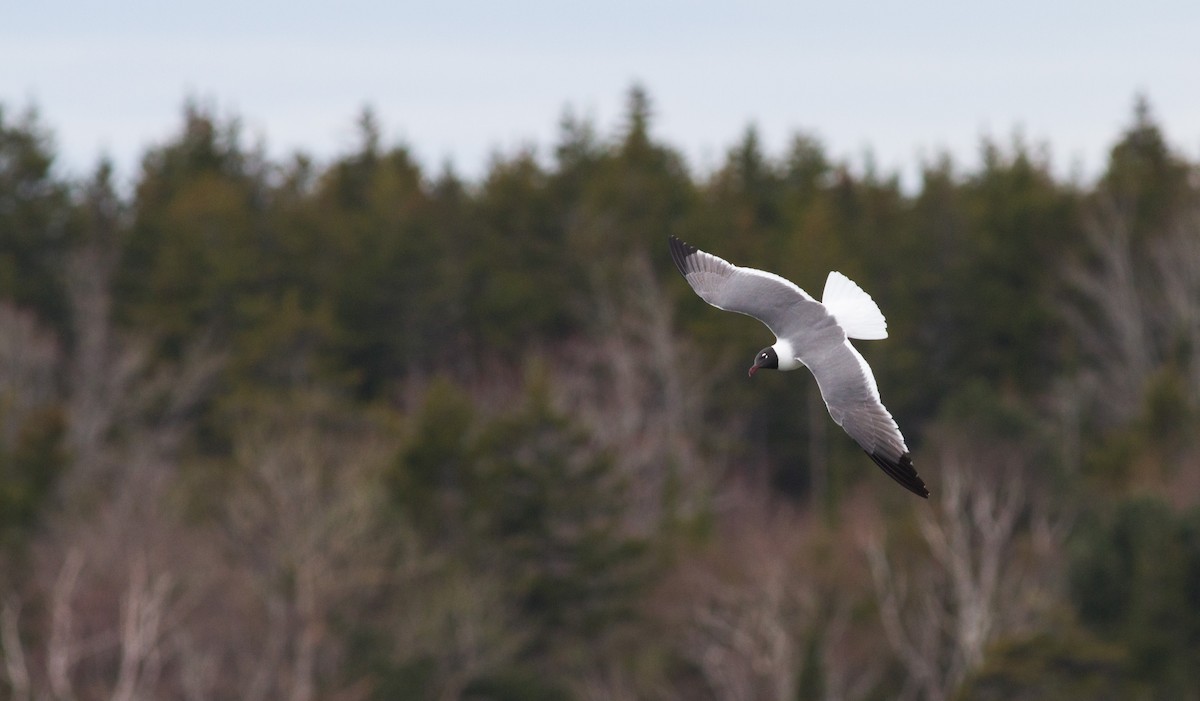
{"type": "Point", "coordinates": [766, 359]}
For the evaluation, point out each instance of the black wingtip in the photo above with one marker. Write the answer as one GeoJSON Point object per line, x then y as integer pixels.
{"type": "Point", "coordinates": [902, 471]}
{"type": "Point", "coordinates": [680, 250]}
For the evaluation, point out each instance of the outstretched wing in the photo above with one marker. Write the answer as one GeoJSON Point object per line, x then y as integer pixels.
{"type": "Point", "coordinates": [776, 302]}
{"type": "Point", "coordinates": [848, 388]}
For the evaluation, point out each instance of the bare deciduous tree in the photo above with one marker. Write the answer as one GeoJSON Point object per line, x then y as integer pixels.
{"type": "Point", "coordinates": [636, 389]}
{"type": "Point", "coordinates": [991, 548]}
{"type": "Point", "coordinates": [1135, 307]}
{"type": "Point", "coordinates": [459, 621]}
{"type": "Point", "coordinates": [111, 590]}
{"type": "Point", "coordinates": [105, 591]}
{"type": "Point", "coordinates": [302, 518]}
{"type": "Point", "coordinates": [1176, 261]}
{"type": "Point", "coordinates": [99, 372]}
{"type": "Point", "coordinates": [743, 612]}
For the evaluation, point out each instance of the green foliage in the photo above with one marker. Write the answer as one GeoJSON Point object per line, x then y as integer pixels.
{"type": "Point", "coordinates": [1018, 212]}
{"type": "Point", "coordinates": [1135, 579]}
{"type": "Point", "coordinates": [30, 465]}
{"type": "Point", "coordinates": [376, 217]}
{"type": "Point", "coordinates": [412, 680]}
{"type": "Point", "coordinates": [978, 309]}
{"type": "Point", "coordinates": [525, 497]}
{"type": "Point", "coordinates": [1158, 445]}
{"type": "Point", "coordinates": [1145, 176]}
{"type": "Point", "coordinates": [198, 254]}
{"type": "Point", "coordinates": [1168, 414]}
{"type": "Point", "coordinates": [33, 219]}
{"type": "Point", "coordinates": [433, 480]}
{"type": "Point", "coordinates": [515, 686]}
{"type": "Point", "coordinates": [520, 280]}
{"type": "Point", "coordinates": [367, 276]}
{"type": "Point", "coordinates": [639, 193]}
{"type": "Point", "coordinates": [1068, 666]}
{"type": "Point", "coordinates": [553, 509]}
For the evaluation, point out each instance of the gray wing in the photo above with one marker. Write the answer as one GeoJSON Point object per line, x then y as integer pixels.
{"type": "Point", "coordinates": [848, 388]}
{"type": "Point", "coordinates": [845, 379]}
{"type": "Point", "coordinates": [776, 302]}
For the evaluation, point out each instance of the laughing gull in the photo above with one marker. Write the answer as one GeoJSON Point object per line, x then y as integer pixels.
{"type": "Point", "coordinates": [815, 335]}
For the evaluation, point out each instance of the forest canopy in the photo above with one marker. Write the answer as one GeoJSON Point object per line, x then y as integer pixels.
{"type": "Point", "coordinates": [362, 429]}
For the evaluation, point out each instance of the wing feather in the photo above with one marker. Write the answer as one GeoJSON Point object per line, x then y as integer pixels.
{"type": "Point", "coordinates": [773, 300]}
{"type": "Point", "coordinates": [846, 381]}
{"type": "Point", "coordinates": [852, 397]}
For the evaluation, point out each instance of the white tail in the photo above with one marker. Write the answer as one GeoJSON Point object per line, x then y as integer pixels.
{"type": "Point", "coordinates": [854, 309]}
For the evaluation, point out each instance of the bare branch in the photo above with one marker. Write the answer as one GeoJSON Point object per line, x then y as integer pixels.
{"type": "Point", "coordinates": [1134, 302]}
{"type": "Point", "coordinates": [743, 613]}
{"type": "Point", "coordinates": [980, 580]}
{"type": "Point", "coordinates": [143, 610]}
{"type": "Point", "coordinates": [62, 652]}
{"type": "Point", "coordinates": [15, 668]}
{"type": "Point", "coordinates": [630, 384]}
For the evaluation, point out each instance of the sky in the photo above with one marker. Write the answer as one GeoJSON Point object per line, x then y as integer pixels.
{"type": "Point", "coordinates": [459, 81]}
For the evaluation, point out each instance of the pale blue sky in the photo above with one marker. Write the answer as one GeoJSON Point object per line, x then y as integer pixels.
{"type": "Point", "coordinates": [459, 80]}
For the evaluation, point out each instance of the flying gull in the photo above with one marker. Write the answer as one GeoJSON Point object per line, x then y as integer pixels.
{"type": "Point", "coordinates": [815, 335]}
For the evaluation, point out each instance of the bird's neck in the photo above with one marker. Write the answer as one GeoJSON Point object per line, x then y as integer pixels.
{"type": "Point", "coordinates": [787, 355]}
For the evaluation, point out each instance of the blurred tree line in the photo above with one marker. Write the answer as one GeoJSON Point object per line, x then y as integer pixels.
{"type": "Point", "coordinates": [360, 430]}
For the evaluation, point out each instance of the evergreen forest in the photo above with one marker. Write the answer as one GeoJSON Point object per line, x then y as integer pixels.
{"type": "Point", "coordinates": [360, 428]}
